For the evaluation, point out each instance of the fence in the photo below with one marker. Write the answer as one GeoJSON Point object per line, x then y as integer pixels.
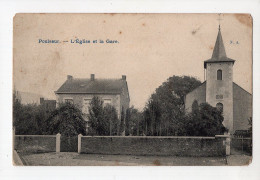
{"type": "Point", "coordinates": [242, 144]}
{"type": "Point", "coordinates": [45, 143]}
{"type": "Point", "coordinates": [37, 143]}
{"type": "Point", "coordinates": [152, 145]}
{"type": "Point", "coordinates": [133, 145]}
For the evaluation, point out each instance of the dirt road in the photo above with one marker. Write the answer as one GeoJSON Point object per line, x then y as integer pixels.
{"type": "Point", "coordinates": [75, 159]}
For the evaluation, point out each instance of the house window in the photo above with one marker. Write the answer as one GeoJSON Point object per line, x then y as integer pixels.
{"type": "Point", "coordinates": [68, 101]}
{"type": "Point", "coordinates": [219, 106]}
{"type": "Point", "coordinates": [86, 104]}
{"type": "Point", "coordinates": [107, 102]}
{"type": "Point", "coordinates": [219, 74]}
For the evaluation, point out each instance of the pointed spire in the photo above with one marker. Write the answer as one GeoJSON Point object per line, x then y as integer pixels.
{"type": "Point", "coordinates": [219, 49]}
{"type": "Point", "coordinates": [219, 53]}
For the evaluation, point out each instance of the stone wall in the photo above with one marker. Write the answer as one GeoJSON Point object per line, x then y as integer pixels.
{"type": "Point", "coordinates": [140, 145]}
{"type": "Point", "coordinates": [35, 143]}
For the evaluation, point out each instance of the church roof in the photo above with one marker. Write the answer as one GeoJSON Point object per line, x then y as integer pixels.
{"type": "Point", "coordinates": [219, 53]}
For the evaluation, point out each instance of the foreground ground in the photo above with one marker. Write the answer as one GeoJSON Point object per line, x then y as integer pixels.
{"type": "Point", "coordinates": [75, 159]}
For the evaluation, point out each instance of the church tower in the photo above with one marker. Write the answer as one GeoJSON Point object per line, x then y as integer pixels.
{"type": "Point", "coordinates": [219, 81]}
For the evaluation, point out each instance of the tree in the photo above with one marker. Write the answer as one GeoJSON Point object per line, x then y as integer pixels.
{"type": "Point", "coordinates": [121, 127]}
{"type": "Point", "coordinates": [29, 119]}
{"type": "Point", "coordinates": [25, 119]}
{"type": "Point", "coordinates": [168, 101]}
{"type": "Point", "coordinates": [178, 86]}
{"type": "Point", "coordinates": [152, 114]}
{"type": "Point", "coordinates": [67, 119]}
{"type": "Point", "coordinates": [134, 120]}
{"type": "Point", "coordinates": [204, 120]}
{"type": "Point", "coordinates": [103, 120]}
{"type": "Point", "coordinates": [96, 116]}
{"type": "Point", "coordinates": [110, 120]}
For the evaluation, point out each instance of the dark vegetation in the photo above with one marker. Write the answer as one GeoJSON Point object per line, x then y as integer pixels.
{"type": "Point", "coordinates": [163, 115]}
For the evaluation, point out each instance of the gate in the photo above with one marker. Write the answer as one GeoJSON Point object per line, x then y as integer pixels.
{"type": "Point", "coordinates": [69, 144]}
{"type": "Point", "coordinates": [241, 145]}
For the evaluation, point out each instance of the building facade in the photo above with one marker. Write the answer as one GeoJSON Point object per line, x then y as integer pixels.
{"type": "Point", "coordinates": [220, 91]}
{"type": "Point", "coordinates": [80, 92]}
{"type": "Point", "coordinates": [49, 105]}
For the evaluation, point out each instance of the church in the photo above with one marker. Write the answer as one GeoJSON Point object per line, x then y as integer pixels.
{"type": "Point", "coordinates": [220, 91]}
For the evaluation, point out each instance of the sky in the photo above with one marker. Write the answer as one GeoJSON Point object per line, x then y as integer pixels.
{"type": "Point", "coordinates": [150, 49]}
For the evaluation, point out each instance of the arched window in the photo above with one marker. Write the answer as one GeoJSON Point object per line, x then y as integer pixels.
{"type": "Point", "coordinates": [219, 74]}
{"type": "Point", "coordinates": [219, 106]}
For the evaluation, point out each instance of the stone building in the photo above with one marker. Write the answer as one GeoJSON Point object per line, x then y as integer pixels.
{"type": "Point", "coordinates": [80, 92]}
{"type": "Point", "coordinates": [49, 105]}
{"type": "Point", "coordinates": [220, 91]}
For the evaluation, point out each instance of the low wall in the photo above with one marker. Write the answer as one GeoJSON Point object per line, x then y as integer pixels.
{"type": "Point", "coordinates": [140, 145]}
{"type": "Point", "coordinates": [35, 143]}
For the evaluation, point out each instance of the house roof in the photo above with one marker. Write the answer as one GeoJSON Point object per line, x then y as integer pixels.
{"type": "Point", "coordinates": [96, 86]}
{"type": "Point", "coordinates": [202, 84]}
{"type": "Point", "coordinates": [219, 53]}
{"type": "Point", "coordinates": [235, 84]}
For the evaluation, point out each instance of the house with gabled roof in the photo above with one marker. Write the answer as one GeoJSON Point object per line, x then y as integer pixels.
{"type": "Point", "coordinates": [80, 92]}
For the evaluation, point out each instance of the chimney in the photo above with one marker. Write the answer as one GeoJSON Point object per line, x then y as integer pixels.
{"type": "Point", "coordinates": [124, 77]}
{"type": "Point", "coordinates": [92, 77]}
{"type": "Point", "coordinates": [41, 100]}
{"type": "Point", "coordinates": [69, 77]}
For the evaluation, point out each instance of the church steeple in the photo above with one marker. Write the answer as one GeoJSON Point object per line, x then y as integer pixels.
{"type": "Point", "coordinates": [219, 81]}
{"type": "Point", "coordinates": [219, 49]}
{"type": "Point", "coordinates": [219, 53]}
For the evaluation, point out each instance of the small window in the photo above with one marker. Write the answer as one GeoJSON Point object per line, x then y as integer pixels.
{"type": "Point", "coordinates": [69, 101]}
{"type": "Point", "coordinates": [107, 102]}
{"type": "Point", "coordinates": [219, 106]}
{"type": "Point", "coordinates": [219, 74]}
{"type": "Point", "coordinates": [219, 96]}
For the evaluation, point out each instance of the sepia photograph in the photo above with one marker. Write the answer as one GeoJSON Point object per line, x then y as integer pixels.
{"type": "Point", "coordinates": [132, 89]}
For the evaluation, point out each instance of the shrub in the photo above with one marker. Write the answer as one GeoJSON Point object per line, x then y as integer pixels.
{"type": "Point", "coordinates": [204, 120]}
{"type": "Point", "coordinates": [67, 119]}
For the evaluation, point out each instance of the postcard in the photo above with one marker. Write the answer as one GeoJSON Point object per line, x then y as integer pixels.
{"type": "Point", "coordinates": [132, 89]}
